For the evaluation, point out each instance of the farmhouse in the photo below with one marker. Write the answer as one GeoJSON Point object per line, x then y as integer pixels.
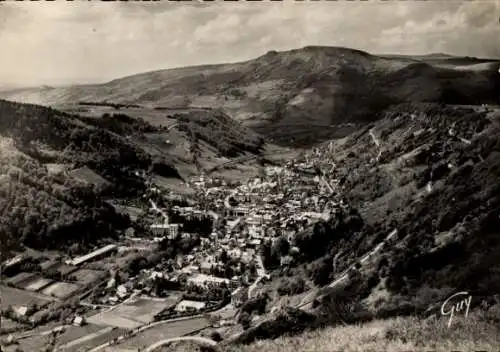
{"type": "Point", "coordinates": [93, 255]}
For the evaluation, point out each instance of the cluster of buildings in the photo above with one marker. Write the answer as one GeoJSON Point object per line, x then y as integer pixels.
{"type": "Point", "coordinates": [281, 202]}
{"type": "Point", "coordinates": [284, 201]}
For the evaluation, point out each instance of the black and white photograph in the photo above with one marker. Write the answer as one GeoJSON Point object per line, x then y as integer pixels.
{"type": "Point", "coordinates": [249, 176]}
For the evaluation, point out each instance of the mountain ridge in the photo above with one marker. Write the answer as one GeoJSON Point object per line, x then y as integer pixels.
{"type": "Point", "coordinates": [283, 94]}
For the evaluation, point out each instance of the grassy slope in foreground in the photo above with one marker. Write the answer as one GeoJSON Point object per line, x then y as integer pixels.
{"type": "Point", "coordinates": [477, 332]}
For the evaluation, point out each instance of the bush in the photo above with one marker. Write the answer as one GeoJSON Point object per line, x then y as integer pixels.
{"type": "Point", "coordinates": [341, 306]}
{"type": "Point", "coordinates": [321, 270]}
{"type": "Point", "coordinates": [257, 304]}
{"type": "Point", "coordinates": [293, 286]}
{"type": "Point", "coordinates": [244, 320]}
{"type": "Point", "coordinates": [288, 321]}
{"type": "Point", "coordinates": [216, 336]}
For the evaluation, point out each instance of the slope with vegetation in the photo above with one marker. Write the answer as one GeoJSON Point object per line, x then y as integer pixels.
{"type": "Point", "coordinates": [57, 169]}
{"type": "Point", "coordinates": [46, 205]}
{"type": "Point", "coordinates": [432, 176]}
{"type": "Point", "coordinates": [477, 332]}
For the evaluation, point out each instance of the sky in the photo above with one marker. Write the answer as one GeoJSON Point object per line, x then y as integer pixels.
{"type": "Point", "coordinates": [63, 42]}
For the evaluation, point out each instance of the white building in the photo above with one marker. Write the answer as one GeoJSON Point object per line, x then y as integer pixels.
{"type": "Point", "coordinates": [186, 305]}
{"type": "Point", "coordinates": [78, 320]}
{"type": "Point", "coordinates": [93, 255]}
{"type": "Point", "coordinates": [206, 280]}
{"type": "Point", "coordinates": [169, 230]}
{"type": "Point", "coordinates": [121, 291]}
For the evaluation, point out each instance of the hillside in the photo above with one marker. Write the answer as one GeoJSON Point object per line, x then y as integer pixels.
{"type": "Point", "coordinates": [417, 217]}
{"type": "Point", "coordinates": [478, 332]}
{"type": "Point", "coordinates": [56, 169]}
{"type": "Point", "coordinates": [299, 95]}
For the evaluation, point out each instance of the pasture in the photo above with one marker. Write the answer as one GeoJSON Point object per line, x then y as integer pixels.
{"type": "Point", "coordinates": [165, 331]}
{"type": "Point", "coordinates": [65, 269]}
{"type": "Point", "coordinates": [33, 343]}
{"type": "Point", "coordinates": [18, 298]}
{"type": "Point", "coordinates": [89, 176]}
{"type": "Point", "coordinates": [60, 290]}
{"type": "Point", "coordinates": [21, 279]}
{"type": "Point", "coordinates": [36, 283]}
{"type": "Point", "coordinates": [10, 324]}
{"type": "Point", "coordinates": [144, 309]}
{"type": "Point", "coordinates": [109, 318]}
{"type": "Point", "coordinates": [99, 339]}
{"type": "Point", "coordinates": [86, 276]}
{"type": "Point", "coordinates": [74, 333]}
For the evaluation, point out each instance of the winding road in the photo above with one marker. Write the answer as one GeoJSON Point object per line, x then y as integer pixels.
{"type": "Point", "coordinates": [198, 339]}
{"type": "Point", "coordinates": [376, 142]}
{"type": "Point", "coordinates": [345, 274]}
{"type": "Point", "coordinates": [261, 274]}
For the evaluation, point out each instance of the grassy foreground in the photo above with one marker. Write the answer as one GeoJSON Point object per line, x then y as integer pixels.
{"type": "Point", "coordinates": [476, 332]}
{"type": "Point", "coordinates": [480, 331]}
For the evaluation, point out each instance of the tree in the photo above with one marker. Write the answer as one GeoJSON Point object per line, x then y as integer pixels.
{"type": "Point", "coordinates": [136, 265]}
{"type": "Point", "coordinates": [216, 336]}
{"type": "Point", "coordinates": [224, 257]}
{"type": "Point", "coordinates": [281, 247]}
{"type": "Point", "coordinates": [244, 320]}
{"type": "Point", "coordinates": [321, 271]}
{"type": "Point", "coordinates": [232, 202]}
{"type": "Point", "coordinates": [267, 258]}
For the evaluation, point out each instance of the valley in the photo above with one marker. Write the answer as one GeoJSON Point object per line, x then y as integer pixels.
{"type": "Point", "coordinates": [222, 205]}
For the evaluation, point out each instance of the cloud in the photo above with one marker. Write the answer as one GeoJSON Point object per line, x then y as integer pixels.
{"type": "Point", "coordinates": [68, 42]}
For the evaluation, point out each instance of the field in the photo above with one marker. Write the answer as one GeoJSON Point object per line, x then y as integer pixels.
{"type": "Point", "coordinates": [109, 318]}
{"type": "Point", "coordinates": [89, 176]}
{"type": "Point", "coordinates": [37, 284]}
{"type": "Point", "coordinates": [34, 343]}
{"type": "Point", "coordinates": [154, 117]}
{"type": "Point", "coordinates": [239, 173]}
{"type": "Point", "coordinates": [133, 212]}
{"type": "Point", "coordinates": [65, 269]}
{"type": "Point", "coordinates": [74, 333]}
{"type": "Point", "coordinates": [165, 331]}
{"type": "Point", "coordinates": [21, 279]}
{"type": "Point", "coordinates": [60, 289]}
{"type": "Point", "coordinates": [18, 298]}
{"type": "Point", "coordinates": [49, 265]}
{"type": "Point", "coordinates": [96, 340]}
{"type": "Point", "coordinates": [174, 185]}
{"type": "Point", "coordinates": [86, 276]}
{"type": "Point", "coordinates": [143, 309]}
{"type": "Point", "coordinates": [9, 324]}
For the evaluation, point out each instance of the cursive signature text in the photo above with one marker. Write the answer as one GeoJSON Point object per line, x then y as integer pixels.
{"type": "Point", "coordinates": [462, 302]}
